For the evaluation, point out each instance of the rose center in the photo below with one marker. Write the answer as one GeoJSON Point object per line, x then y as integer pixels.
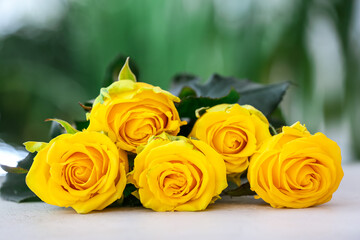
{"type": "Point", "coordinates": [140, 128]}
{"type": "Point", "coordinates": [302, 176]}
{"type": "Point", "coordinates": [234, 141]}
{"type": "Point", "coordinates": [82, 174]}
{"type": "Point", "coordinates": [78, 171]}
{"type": "Point", "coordinates": [174, 184]}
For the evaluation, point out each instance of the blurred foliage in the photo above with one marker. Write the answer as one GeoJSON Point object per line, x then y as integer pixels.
{"type": "Point", "coordinates": [44, 73]}
{"type": "Point", "coordinates": [14, 187]}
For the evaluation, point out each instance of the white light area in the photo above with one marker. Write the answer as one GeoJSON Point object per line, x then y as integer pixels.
{"type": "Point", "coordinates": [326, 52]}
{"type": "Point", "coordinates": [329, 81]}
{"type": "Point", "coordinates": [193, 7]}
{"type": "Point", "coordinates": [42, 14]}
{"type": "Point", "coordinates": [9, 156]}
{"type": "Point", "coordinates": [230, 15]}
{"type": "Point", "coordinates": [272, 11]}
{"type": "Point", "coordinates": [234, 14]}
{"type": "Point", "coordinates": [231, 10]}
{"type": "Point", "coordinates": [355, 27]}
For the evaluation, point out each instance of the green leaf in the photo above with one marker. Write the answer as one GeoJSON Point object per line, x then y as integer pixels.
{"type": "Point", "coordinates": [80, 125]}
{"type": "Point", "coordinates": [16, 170]}
{"type": "Point", "coordinates": [68, 128]}
{"type": "Point", "coordinates": [243, 190]}
{"type": "Point", "coordinates": [126, 73]}
{"type": "Point", "coordinates": [55, 130]}
{"type": "Point", "coordinates": [188, 105]}
{"type": "Point", "coordinates": [263, 97]}
{"type": "Point", "coordinates": [180, 81]}
{"type": "Point", "coordinates": [217, 90]}
{"type": "Point", "coordinates": [277, 119]}
{"type": "Point", "coordinates": [187, 92]}
{"type": "Point", "coordinates": [112, 72]}
{"type": "Point", "coordinates": [131, 201]}
{"type": "Point", "coordinates": [131, 158]}
{"type": "Point", "coordinates": [129, 189]}
{"type": "Point", "coordinates": [14, 187]}
{"type": "Point", "coordinates": [128, 200]}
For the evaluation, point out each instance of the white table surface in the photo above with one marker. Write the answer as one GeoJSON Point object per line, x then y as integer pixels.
{"type": "Point", "coordinates": [236, 218]}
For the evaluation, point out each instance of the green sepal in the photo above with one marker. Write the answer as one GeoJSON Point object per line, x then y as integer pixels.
{"type": "Point", "coordinates": [114, 68]}
{"type": "Point", "coordinates": [201, 111]}
{"type": "Point", "coordinates": [34, 146]}
{"type": "Point", "coordinates": [104, 93]}
{"type": "Point", "coordinates": [126, 73]}
{"type": "Point", "coordinates": [67, 126]}
{"type": "Point", "coordinates": [235, 178]}
{"type": "Point", "coordinates": [273, 131]}
{"type": "Point", "coordinates": [16, 170]}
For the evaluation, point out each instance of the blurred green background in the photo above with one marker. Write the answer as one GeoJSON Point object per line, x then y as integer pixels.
{"type": "Point", "coordinates": [54, 54]}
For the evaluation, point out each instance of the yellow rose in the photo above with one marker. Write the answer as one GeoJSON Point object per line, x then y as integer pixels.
{"type": "Point", "coordinates": [131, 112]}
{"type": "Point", "coordinates": [178, 174]}
{"type": "Point", "coordinates": [234, 131]}
{"type": "Point", "coordinates": [295, 169]}
{"type": "Point", "coordinates": [84, 171]}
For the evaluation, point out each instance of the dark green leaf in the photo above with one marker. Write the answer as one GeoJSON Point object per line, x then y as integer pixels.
{"type": "Point", "coordinates": [190, 104]}
{"type": "Point", "coordinates": [80, 125]}
{"type": "Point", "coordinates": [243, 190]}
{"type": "Point", "coordinates": [187, 92]}
{"type": "Point", "coordinates": [128, 200]}
{"type": "Point", "coordinates": [263, 97]}
{"type": "Point", "coordinates": [14, 187]}
{"type": "Point", "coordinates": [180, 81]}
{"type": "Point", "coordinates": [16, 170]}
{"type": "Point", "coordinates": [131, 201]}
{"type": "Point", "coordinates": [131, 158]}
{"type": "Point", "coordinates": [55, 130]}
{"type": "Point", "coordinates": [129, 189]}
{"type": "Point", "coordinates": [277, 119]}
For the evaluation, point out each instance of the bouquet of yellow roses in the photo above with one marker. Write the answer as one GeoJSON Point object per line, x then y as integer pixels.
{"type": "Point", "coordinates": [178, 151]}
